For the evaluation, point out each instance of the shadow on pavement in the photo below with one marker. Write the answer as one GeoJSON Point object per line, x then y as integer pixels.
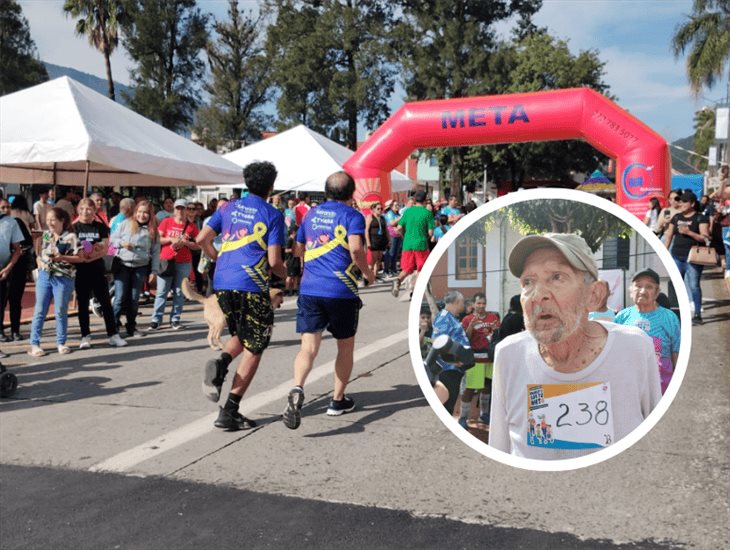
{"type": "Point", "coordinates": [377, 404]}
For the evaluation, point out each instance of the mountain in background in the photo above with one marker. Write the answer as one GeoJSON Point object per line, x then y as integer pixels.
{"type": "Point", "coordinates": [94, 82]}
{"type": "Point", "coordinates": [683, 162]}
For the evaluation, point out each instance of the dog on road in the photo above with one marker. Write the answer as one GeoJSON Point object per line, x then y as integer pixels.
{"type": "Point", "coordinates": [213, 314]}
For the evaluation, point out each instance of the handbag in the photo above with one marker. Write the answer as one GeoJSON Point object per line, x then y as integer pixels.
{"type": "Point", "coordinates": [702, 255]}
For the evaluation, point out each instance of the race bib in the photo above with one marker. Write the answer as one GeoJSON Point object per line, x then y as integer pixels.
{"type": "Point", "coordinates": [569, 416]}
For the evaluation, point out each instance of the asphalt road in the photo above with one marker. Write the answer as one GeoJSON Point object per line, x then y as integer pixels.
{"type": "Point", "coordinates": [115, 449]}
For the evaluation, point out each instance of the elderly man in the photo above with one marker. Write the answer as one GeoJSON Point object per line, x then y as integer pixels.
{"type": "Point", "coordinates": [447, 322]}
{"type": "Point", "coordinates": [567, 386]}
{"type": "Point", "coordinates": [659, 323]}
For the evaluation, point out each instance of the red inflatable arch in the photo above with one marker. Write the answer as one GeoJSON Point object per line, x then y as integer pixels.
{"type": "Point", "coordinates": [642, 155]}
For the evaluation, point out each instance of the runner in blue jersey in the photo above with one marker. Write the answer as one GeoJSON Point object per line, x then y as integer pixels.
{"type": "Point", "coordinates": [332, 240]}
{"type": "Point", "coordinates": [253, 234]}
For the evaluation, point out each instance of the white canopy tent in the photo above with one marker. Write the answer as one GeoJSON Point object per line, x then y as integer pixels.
{"type": "Point", "coordinates": [61, 132]}
{"type": "Point", "coordinates": [303, 160]}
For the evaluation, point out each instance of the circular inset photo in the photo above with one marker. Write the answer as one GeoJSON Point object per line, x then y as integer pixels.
{"type": "Point", "coordinates": [550, 329]}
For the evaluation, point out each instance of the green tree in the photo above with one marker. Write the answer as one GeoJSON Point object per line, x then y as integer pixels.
{"type": "Point", "coordinates": [19, 63]}
{"type": "Point", "coordinates": [240, 85]}
{"type": "Point", "coordinates": [558, 216]}
{"type": "Point", "coordinates": [541, 62]}
{"type": "Point", "coordinates": [706, 34]}
{"type": "Point", "coordinates": [331, 64]}
{"type": "Point", "coordinates": [704, 124]}
{"type": "Point", "coordinates": [99, 21]}
{"type": "Point", "coordinates": [165, 38]}
{"type": "Point", "coordinates": [451, 48]}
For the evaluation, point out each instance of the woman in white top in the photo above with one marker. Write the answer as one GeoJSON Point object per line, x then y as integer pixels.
{"type": "Point", "coordinates": [652, 215]}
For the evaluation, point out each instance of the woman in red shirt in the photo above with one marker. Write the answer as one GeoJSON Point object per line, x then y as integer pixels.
{"type": "Point", "coordinates": [177, 240]}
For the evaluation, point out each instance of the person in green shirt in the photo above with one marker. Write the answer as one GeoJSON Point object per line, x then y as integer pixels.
{"type": "Point", "coordinates": [417, 226]}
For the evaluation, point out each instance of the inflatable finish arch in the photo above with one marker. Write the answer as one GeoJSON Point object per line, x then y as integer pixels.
{"type": "Point", "coordinates": [643, 160]}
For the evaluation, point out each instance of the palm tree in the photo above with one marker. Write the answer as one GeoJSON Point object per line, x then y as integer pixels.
{"type": "Point", "coordinates": [99, 20]}
{"type": "Point", "coordinates": [707, 35]}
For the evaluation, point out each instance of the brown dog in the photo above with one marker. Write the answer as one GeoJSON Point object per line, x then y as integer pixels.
{"type": "Point", "coordinates": [213, 314]}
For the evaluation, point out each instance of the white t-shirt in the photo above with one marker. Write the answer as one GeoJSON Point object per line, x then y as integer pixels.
{"type": "Point", "coordinates": [41, 210]}
{"type": "Point", "coordinates": [627, 363]}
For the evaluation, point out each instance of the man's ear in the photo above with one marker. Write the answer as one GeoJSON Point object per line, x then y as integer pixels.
{"type": "Point", "coordinates": [597, 294]}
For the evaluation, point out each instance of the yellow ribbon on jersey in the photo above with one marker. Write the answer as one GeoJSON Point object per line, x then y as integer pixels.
{"type": "Point", "coordinates": [339, 240]}
{"type": "Point", "coordinates": [259, 230]}
{"type": "Point", "coordinates": [348, 277]}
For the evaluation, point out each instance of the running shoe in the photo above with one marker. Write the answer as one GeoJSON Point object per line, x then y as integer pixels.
{"type": "Point", "coordinates": [697, 320]}
{"type": "Point", "coordinates": [4, 338]}
{"type": "Point", "coordinates": [484, 418]}
{"type": "Point", "coordinates": [85, 342]}
{"type": "Point", "coordinates": [396, 288]}
{"type": "Point", "coordinates": [3, 355]}
{"type": "Point", "coordinates": [213, 377]}
{"type": "Point", "coordinates": [293, 414]}
{"type": "Point", "coordinates": [232, 421]}
{"type": "Point", "coordinates": [176, 325]}
{"type": "Point", "coordinates": [17, 337]}
{"type": "Point", "coordinates": [63, 349]}
{"type": "Point", "coordinates": [344, 405]}
{"type": "Point", "coordinates": [154, 325]}
{"type": "Point", "coordinates": [117, 341]}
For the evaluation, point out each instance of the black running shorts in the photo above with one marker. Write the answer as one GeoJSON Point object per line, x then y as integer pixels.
{"type": "Point", "coordinates": [249, 316]}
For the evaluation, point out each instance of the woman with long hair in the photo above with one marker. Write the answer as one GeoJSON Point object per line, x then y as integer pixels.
{"type": "Point", "coordinates": [687, 229]}
{"type": "Point", "coordinates": [376, 235]}
{"type": "Point", "coordinates": [91, 273]}
{"type": "Point", "coordinates": [56, 272]}
{"type": "Point", "coordinates": [651, 218]}
{"type": "Point", "coordinates": [137, 260]}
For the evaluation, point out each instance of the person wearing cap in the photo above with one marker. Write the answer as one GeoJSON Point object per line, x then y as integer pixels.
{"type": "Point", "coordinates": [688, 228]}
{"type": "Point", "coordinates": [417, 226]}
{"type": "Point", "coordinates": [253, 235]}
{"type": "Point", "coordinates": [177, 240]}
{"type": "Point", "coordinates": [659, 323]}
{"type": "Point", "coordinates": [567, 386]}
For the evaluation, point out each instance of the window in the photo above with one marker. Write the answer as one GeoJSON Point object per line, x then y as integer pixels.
{"type": "Point", "coordinates": [465, 263]}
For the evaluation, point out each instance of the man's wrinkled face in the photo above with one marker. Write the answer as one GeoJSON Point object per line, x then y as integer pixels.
{"type": "Point", "coordinates": [555, 298]}
{"type": "Point", "coordinates": [644, 292]}
{"type": "Point", "coordinates": [458, 305]}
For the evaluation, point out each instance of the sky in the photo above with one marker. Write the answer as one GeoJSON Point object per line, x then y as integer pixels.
{"type": "Point", "coordinates": [631, 36]}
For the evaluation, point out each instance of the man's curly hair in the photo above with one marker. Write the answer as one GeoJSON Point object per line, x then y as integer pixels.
{"type": "Point", "coordinates": [259, 177]}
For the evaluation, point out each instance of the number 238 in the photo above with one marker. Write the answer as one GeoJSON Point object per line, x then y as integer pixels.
{"type": "Point", "coordinates": [600, 416]}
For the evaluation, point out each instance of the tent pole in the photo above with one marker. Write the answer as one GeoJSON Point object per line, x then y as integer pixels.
{"type": "Point", "coordinates": [86, 179]}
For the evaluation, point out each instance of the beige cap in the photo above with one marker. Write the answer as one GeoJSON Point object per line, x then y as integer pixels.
{"type": "Point", "coordinates": [573, 247]}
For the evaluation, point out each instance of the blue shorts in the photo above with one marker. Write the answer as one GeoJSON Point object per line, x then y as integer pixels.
{"type": "Point", "coordinates": [338, 315]}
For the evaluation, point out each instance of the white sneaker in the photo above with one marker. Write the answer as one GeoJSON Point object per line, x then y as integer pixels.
{"type": "Point", "coordinates": [117, 341]}
{"type": "Point", "coordinates": [85, 342]}
{"type": "Point", "coordinates": [36, 351]}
